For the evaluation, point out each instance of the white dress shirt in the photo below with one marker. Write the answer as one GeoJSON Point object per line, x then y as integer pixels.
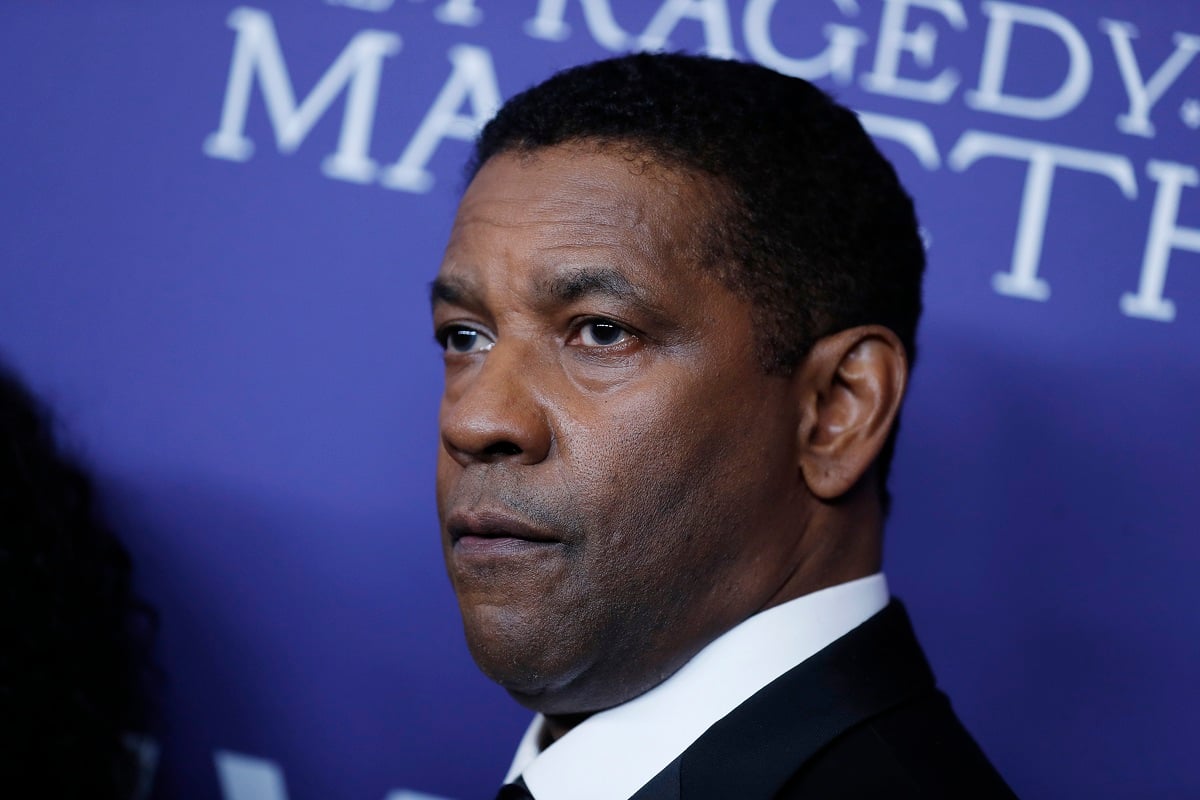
{"type": "Point", "coordinates": [613, 753]}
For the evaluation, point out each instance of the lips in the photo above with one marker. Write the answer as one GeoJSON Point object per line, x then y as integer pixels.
{"type": "Point", "coordinates": [495, 534]}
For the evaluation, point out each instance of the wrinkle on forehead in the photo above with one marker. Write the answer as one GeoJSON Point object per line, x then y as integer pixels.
{"type": "Point", "coordinates": [605, 192]}
{"type": "Point", "coordinates": [613, 197]}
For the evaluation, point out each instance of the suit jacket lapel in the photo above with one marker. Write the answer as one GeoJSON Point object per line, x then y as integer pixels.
{"type": "Point", "coordinates": [663, 786]}
{"type": "Point", "coordinates": [760, 744]}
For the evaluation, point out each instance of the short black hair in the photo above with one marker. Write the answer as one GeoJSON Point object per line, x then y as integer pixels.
{"type": "Point", "coordinates": [814, 229]}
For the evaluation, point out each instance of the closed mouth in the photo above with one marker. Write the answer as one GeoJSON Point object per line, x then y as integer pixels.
{"type": "Point", "coordinates": [495, 527]}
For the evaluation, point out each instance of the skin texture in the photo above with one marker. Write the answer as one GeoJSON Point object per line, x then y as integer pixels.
{"type": "Point", "coordinates": [619, 481]}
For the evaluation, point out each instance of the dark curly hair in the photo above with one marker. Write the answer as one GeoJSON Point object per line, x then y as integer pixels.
{"type": "Point", "coordinates": [814, 228]}
{"type": "Point", "coordinates": [73, 637]}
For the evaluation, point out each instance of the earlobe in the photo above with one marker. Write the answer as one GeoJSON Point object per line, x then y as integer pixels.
{"type": "Point", "coordinates": [850, 387]}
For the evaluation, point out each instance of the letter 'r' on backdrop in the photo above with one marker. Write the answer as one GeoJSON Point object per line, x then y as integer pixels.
{"type": "Point", "coordinates": [219, 223]}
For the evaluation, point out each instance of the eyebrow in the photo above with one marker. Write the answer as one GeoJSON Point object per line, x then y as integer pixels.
{"type": "Point", "coordinates": [450, 290]}
{"type": "Point", "coordinates": [584, 282]}
{"type": "Point", "coordinates": [566, 287]}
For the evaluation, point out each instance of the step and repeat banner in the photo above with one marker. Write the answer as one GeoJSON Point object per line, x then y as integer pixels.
{"type": "Point", "coordinates": [220, 220]}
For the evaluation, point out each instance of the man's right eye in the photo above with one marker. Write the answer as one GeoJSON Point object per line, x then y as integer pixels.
{"type": "Point", "coordinates": [464, 339]}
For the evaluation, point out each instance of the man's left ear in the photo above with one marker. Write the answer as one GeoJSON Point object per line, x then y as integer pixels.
{"type": "Point", "coordinates": [850, 386]}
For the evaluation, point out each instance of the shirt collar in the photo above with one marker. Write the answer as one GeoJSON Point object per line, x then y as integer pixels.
{"type": "Point", "coordinates": [613, 753]}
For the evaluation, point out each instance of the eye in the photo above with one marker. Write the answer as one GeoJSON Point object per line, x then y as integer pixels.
{"type": "Point", "coordinates": [464, 339]}
{"type": "Point", "coordinates": [602, 333]}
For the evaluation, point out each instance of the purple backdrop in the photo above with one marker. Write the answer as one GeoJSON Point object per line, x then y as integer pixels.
{"type": "Point", "coordinates": [219, 224]}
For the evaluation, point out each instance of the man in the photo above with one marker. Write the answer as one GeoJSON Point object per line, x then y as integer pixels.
{"type": "Point", "coordinates": [678, 310]}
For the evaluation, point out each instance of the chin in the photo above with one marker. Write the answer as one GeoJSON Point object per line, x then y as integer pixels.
{"type": "Point", "coordinates": [551, 679]}
{"type": "Point", "coordinates": [536, 686]}
{"type": "Point", "coordinates": [510, 648]}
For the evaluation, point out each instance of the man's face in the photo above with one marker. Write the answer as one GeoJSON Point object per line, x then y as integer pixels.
{"type": "Point", "coordinates": [617, 480]}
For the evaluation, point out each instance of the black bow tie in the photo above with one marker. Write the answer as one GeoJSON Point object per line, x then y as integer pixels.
{"type": "Point", "coordinates": [514, 791]}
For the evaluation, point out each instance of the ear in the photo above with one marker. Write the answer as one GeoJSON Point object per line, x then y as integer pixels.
{"type": "Point", "coordinates": [850, 387]}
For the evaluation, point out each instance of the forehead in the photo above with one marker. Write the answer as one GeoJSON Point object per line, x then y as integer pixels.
{"type": "Point", "coordinates": [577, 202]}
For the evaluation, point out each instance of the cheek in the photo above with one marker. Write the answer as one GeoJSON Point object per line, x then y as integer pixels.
{"type": "Point", "coordinates": [688, 465]}
{"type": "Point", "coordinates": [657, 474]}
{"type": "Point", "coordinates": [660, 564]}
{"type": "Point", "coordinates": [446, 474]}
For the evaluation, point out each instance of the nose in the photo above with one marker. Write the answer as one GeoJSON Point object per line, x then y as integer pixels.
{"type": "Point", "coordinates": [492, 412]}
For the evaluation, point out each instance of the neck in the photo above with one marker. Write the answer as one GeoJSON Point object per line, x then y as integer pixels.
{"type": "Point", "coordinates": [840, 541]}
{"type": "Point", "coordinates": [556, 726]}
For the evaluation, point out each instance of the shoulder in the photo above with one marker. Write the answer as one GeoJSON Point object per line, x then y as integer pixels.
{"type": "Point", "coordinates": [918, 749]}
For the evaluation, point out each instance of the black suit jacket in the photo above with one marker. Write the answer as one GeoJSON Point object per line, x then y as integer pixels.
{"type": "Point", "coordinates": [860, 719]}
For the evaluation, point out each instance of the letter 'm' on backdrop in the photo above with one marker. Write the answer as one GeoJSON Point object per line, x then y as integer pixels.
{"type": "Point", "coordinates": [219, 223]}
